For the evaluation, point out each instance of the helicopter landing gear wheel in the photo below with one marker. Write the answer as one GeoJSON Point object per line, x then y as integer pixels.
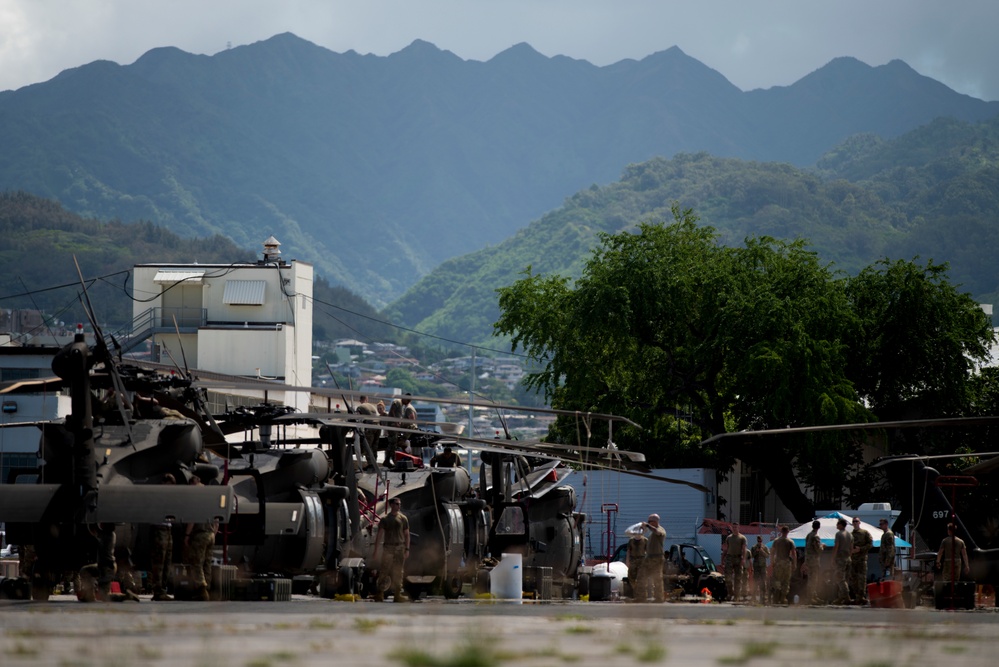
{"type": "Point", "coordinates": [451, 587]}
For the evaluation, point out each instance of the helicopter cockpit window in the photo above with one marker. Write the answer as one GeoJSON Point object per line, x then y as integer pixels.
{"type": "Point", "coordinates": [511, 522]}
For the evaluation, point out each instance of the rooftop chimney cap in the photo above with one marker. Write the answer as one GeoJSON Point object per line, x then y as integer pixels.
{"type": "Point", "coordinates": [272, 249]}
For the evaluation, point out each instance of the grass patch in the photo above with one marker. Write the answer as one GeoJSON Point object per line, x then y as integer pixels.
{"type": "Point", "coordinates": [148, 652]}
{"type": "Point", "coordinates": [272, 658]}
{"type": "Point", "coordinates": [954, 650]}
{"type": "Point", "coordinates": [750, 651]}
{"type": "Point", "coordinates": [24, 650]}
{"type": "Point", "coordinates": [569, 617]}
{"type": "Point", "coordinates": [652, 653]}
{"type": "Point", "coordinates": [466, 655]}
{"type": "Point", "coordinates": [368, 624]}
{"type": "Point", "coordinates": [831, 653]}
{"type": "Point", "coordinates": [580, 630]}
{"type": "Point", "coordinates": [321, 624]}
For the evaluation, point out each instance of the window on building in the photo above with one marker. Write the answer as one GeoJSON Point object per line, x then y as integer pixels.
{"type": "Point", "coordinates": [244, 293]}
{"type": "Point", "coordinates": [12, 374]}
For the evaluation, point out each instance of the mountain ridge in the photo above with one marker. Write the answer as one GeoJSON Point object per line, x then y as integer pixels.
{"type": "Point", "coordinates": [378, 168]}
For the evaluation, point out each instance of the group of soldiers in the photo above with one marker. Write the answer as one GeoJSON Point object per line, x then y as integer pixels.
{"type": "Point", "coordinates": [402, 414]}
{"type": "Point", "coordinates": [848, 574]}
{"type": "Point", "coordinates": [114, 562]}
{"type": "Point", "coordinates": [645, 561]}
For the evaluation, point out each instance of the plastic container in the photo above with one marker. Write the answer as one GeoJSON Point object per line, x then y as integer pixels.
{"type": "Point", "coordinates": [506, 581]}
{"type": "Point", "coordinates": [886, 594]}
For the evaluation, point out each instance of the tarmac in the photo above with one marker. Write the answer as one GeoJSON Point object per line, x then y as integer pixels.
{"type": "Point", "coordinates": [472, 633]}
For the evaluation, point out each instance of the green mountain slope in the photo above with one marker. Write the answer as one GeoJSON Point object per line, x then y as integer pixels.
{"type": "Point", "coordinates": [933, 192]}
{"type": "Point", "coordinates": [377, 169]}
{"type": "Point", "coordinates": [43, 238]}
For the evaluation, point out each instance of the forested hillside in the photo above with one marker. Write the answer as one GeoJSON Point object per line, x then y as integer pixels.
{"type": "Point", "coordinates": [933, 192]}
{"type": "Point", "coordinates": [42, 239]}
{"type": "Point", "coordinates": [376, 169]}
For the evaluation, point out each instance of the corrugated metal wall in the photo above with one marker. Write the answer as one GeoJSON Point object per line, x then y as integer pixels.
{"type": "Point", "coordinates": [680, 508]}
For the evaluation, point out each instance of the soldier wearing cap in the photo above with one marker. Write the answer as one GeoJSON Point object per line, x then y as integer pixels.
{"type": "Point", "coordinates": [651, 572]}
{"type": "Point", "coordinates": [886, 552]}
{"type": "Point", "coordinates": [862, 543]}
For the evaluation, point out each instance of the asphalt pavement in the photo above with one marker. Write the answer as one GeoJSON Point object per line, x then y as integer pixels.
{"type": "Point", "coordinates": [470, 633]}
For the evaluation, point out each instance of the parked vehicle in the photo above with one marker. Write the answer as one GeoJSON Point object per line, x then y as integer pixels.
{"type": "Point", "coordinates": [689, 567]}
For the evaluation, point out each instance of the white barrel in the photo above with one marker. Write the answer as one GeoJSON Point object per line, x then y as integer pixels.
{"type": "Point", "coordinates": [506, 581]}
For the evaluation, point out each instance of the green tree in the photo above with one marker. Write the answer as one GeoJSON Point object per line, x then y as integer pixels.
{"type": "Point", "coordinates": [913, 354]}
{"type": "Point", "coordinates": [689, 338]}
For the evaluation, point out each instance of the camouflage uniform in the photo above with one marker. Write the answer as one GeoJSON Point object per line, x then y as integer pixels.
{"type": "Point", "coordinates": [734, 565]}
{"type": "Point", "coordinates": [951, 559]}
{"type": "Point", "coordinates": [637, 549]}
{"type": "Point", "coordinates": [198, 556]}
{"type": "Point", "coordinates": [760, 553]}
{"type": "Point", "coordinates": [844, 545]}
{"type": "Point", "coordinates": [813, 565]}
{"type": "Point", "coordinates": [886, 554]}
{"type": "Point", "coordinates": [161, 557]}
{"type": "Point", "coordinates": [652, 566]}
{"type": "Point", "coordinates": [783, 556]}
{"type": "Point", "coordinates": [370, 434]}
{"type": "Point", "coordinates": [862, 543]}
{"type": "Point", "coordinates": [392, 529]}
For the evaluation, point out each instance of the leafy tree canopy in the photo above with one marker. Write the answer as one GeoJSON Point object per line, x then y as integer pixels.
{"type": "Point", "coordinates": [690, 338]}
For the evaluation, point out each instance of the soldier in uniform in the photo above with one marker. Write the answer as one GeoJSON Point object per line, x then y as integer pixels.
{"type": "Point", "coordinates": [785, 559]}
{"type": "Point", "coordinates": [735, 558]}
{"type": "Point", "coordinates": [886, 552]}
{"type": "Point", "coordinates": [813, 563]}
{"type": "Point", "coordinates": [952, 558]}
{"type": "Point", "coordinates": [862, 543]}
{"type": "Point", "coordinates": [370, 434]}
{"type": "Point", "coordinates": [760, 553]}
{"type": "Point", "coordinates": [652, 567]}
{"type": "Point", "coordinates": [392, 542]}
{"type": "Point", "coordinates": [635, 556]}
{"type": "Point", "coordinates": [161, 554]}
{"type": "Point", "coordinates": [446, 459]}
{"type": "Point", "coordinates": [199, 542]}
{"type": "Point", "coordinates": [842, 550]}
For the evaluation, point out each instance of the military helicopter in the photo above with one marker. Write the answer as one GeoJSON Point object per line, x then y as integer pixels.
{"type": "Point", "coordinates": [102, 466]}
{"type": "Point", "coordinates": [923, 492]}
{"type": "Point", "coordinates": [520, 505]}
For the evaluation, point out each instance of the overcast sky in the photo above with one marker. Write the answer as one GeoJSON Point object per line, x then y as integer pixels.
{"type": "Point", "coordinates": [753, 43]}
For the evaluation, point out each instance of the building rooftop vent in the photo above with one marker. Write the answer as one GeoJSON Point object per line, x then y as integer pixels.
{"type": "Point", "coordinates": [272, 250]}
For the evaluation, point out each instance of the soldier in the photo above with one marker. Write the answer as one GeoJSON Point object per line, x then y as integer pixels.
{"type": "Point", "coordinates": [886, 552]}
{"type": "Point", "coordinates": [785, 559]}
{"type": "Point", "coordinates": [862, 543]}
{"type": "Point", "coordinates": [161, 554]}
{"type": "Point", "coordinates": [370, 434]}
{"type": "Point", "coordinates": [813, 563]}
{"type": "Point", "coordinates": [651, 573]}
{"type": "Point", "coordinates": [842, 550]}
{"type": "Point", "coordinates": [446, 459]}
{"type": "Point", "coordinates": [760, 553]}
{"type": "Point", "coordinates": [952, 549]}
{"type": "Point", "coordinates": [392, 542]}
{"type": "Point", "coordinates": [635, 556]}
{"type": "Point", "coordinates": [199, 542]}
{"type": "Point", "coordinates": [403, 409]}
{"type": "Point", "coordinates": [735, 557]}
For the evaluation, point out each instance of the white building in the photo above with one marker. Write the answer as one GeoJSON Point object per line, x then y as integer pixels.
{"type": "Point", "coordinates": [252, 320]}
{"type": "Point", "coordinates": [19, 445]}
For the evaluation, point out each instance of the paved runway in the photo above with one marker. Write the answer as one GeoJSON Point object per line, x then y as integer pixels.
{"type": "Point", "coordinates": [466, 633]}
